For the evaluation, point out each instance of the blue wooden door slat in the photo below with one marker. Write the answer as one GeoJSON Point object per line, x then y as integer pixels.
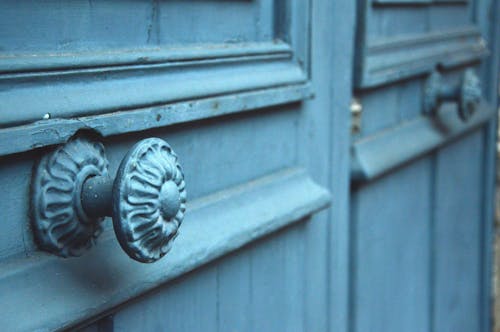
{"type": "Point", "coordinates": [391, 251]}
{"type": "Point", "coordinates": [457, 236]}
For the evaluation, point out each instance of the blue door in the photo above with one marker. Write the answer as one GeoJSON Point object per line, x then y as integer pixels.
{"type": "Point", "coordinates": [247, 165]}
{"type": "Point", "coordinates": [422, 165]}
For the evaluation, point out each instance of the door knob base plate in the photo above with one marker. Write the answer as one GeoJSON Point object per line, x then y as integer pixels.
{"type": "Point", "coordinates": [60, 224]}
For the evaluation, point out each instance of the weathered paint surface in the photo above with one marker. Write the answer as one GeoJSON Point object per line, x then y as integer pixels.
{"type": "Point", "coordinates": [293, 223]}
{"type": "Point", "coordinates": [422, 187]}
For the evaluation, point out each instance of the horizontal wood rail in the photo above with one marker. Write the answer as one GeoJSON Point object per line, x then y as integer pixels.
{"type": "Point", "coordinates": [47, 293]}
{"type": "Point", "coordinates": [376, 155]}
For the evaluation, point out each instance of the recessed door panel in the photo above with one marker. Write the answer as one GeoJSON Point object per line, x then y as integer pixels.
{"type": "Point", "coordinates": [401, 39]}
{"type": "Point", "coordinates": [59, 27]}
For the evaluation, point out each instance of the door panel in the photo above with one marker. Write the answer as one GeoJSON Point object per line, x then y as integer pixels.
{"type": "Point", "coordinates": [170, 308]}
{"type": "Point", "coordinates": [401, 39]}
{"type": "Point", "coordinates": [58, 27]}
{"type": "Point", "coordinates": [257, 140]}
{"type": "Point", "coordinates": [418, 178]}
{"type": "Point", "coordinates": [228, 85]}
{"type": "Point", "coordinates": [176, 51]}
{"type": "Point", "coordinates": [253, 96]}
{"type": "Point", "coordinates": [391, 251]}
{"type": "Point", "coordinates": [257, 289]}
{"type": "Point", "coordinates": [418, 245]}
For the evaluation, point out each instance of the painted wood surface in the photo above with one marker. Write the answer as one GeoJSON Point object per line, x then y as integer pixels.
{"type": "Point", "coordinates": [259, 289]}
{"type": "Point", "coordinates": [291, 295]}
{"type": "Point", "coordinates": [489, 70]}
{"type": "Point", "coordinates": [440, 239]}
{"type": "Point", "coordinates": [427, 207]}
{"type": "Point", "coordinates": [327, 121]}
{"type": "Point", "coordinates": [113, 24]}
{"type": "Point", "coordinates": [96, 72]}
{"type": "Point", "coordinates": [375, 155]}
{"type": "Point", "coordinates": [457, 263]}
{"type": "Point", "coordinates": [253, 95]}
{"type": "Point", "coordinates": [105, 277]}
{"type": "Point", "coordinates": [402, 39]}
{"type": "Point", "coordinates": [391, 252]}
{"type": "Point", "coordinates": [45, 133]}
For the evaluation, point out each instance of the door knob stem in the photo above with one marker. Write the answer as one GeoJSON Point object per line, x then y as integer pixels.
{"type": "Point", "coordinates": [96, 196]}
{"type": "Point", "coordinates": [448, 92]}
{"type": "Point", "coordinates": [467, 94]}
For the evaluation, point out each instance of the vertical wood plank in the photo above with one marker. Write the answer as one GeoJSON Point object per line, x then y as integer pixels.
{"type": "Point", "coordinates": [261, 287]}
{"type": "Point", "coordinates": [15, 238]}
{"type": "Point", "coordinates": [338, 54]}
{"type": "Point", "coordinates": [294, 279]}
{"type": "Point", "coordinates": [457, 247]}
{"type": "Point", "coordinates": [187, 304]}
{"type": "Point", "coordinates": [267, 285]}
{"type": "Point", "coordinates": [323, 147]}
{"type": "Point", "coordinates": [391, 251]}
{"type": "Point", "coordinates": [234, 292]}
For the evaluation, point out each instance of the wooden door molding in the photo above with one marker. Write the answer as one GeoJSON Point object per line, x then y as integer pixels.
{"type": "Point", "coordinates": [48, 96]}
{"type": "Point", "coordinates": [384, 56]}
{"type": "Point", "coordinates": [392, 59]}
{"type": "Point", "coordinates": [379, 154]}
{"type": "Point", "coordinates": [215, 226]}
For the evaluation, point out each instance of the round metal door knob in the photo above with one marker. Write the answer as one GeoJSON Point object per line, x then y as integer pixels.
{"type": "Point", "coordinates": [470, 95]}
{"type": "Point", "coordinates": [149, 200]}
{"type": "Point", "coordinates": [467, 94]}
{"type": "Point", "coordinates": [72, 192]}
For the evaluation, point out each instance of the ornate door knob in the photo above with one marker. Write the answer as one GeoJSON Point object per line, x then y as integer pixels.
{"type": "Point", "coordinates": [72, 192]}
{"type": "Point", "coordinates": [467, 94]}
